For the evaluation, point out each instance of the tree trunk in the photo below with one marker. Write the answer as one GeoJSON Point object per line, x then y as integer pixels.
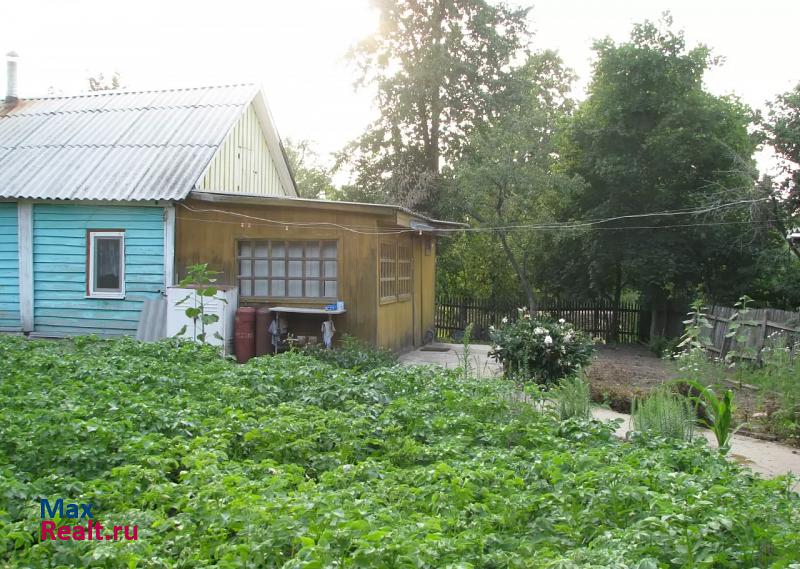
{"type": "Point", "coordinates": [526, 286]}
{"type": "Point", "coordinates": [617, 303]}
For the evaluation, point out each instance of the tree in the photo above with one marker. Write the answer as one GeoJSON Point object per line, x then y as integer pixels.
{"type": "Point", "coordinates": [782, 128]}
{"type": "Point", "coordinates": [508, 175]}
{"type": "Point", "coordinates": [436, 65]}
{"type": "Point", "coordinates": [312, 178]}
{"type": "Point", "coordinates": [648, 139]}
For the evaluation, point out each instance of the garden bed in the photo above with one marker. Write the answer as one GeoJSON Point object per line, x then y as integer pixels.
{"type": "Point", "coordinates": [291, 462]}
{"type": "Point", "coordinates": [618, 373]}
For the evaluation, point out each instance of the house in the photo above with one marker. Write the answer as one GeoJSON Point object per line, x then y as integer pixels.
{"type": "Point", "coordinates": [106, 198]}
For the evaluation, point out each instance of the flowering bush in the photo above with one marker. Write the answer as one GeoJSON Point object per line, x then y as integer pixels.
{"type": "Point", "coordinates": [541, 350]}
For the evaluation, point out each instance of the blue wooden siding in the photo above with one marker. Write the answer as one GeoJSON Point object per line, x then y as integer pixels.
{"type": "Point", "coordinates": [9, 269]}
{"type": "Point", "coordinates": [60, 306]}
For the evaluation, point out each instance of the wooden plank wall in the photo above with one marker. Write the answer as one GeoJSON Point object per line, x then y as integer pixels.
{"type": "Point", "coordinates": [243, 164]}
{"type": "Point", "coordinates": [211, 236]}
{"type": "Point", "coordinates": [758, 328]}
{"type": "Point", "coordinates": [9, 269]}
{"type": "Point", "coordinates": [59, 265]}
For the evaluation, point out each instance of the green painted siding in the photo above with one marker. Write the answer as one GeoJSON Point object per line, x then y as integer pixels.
{"type": "Point", "coordinates": [9, 269]}
{"type": "Point", "coordinates": [60, 306]}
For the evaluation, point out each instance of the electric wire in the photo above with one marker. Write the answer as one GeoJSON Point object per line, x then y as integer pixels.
{"type": "Point", "coordinates": [568, 225]}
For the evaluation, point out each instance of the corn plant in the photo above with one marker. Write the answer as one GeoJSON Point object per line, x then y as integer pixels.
{"type": "Point", "coordinates": [718, 410]}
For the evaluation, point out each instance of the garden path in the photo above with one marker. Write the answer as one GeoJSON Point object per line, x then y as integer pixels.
{"type": "Point", "coordinates": [765, 457]}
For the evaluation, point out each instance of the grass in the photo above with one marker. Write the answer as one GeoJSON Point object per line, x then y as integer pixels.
{"type": "Point", "coordinates": [572, 398]}
{"type": "Point", "coordinates": [290, 462]}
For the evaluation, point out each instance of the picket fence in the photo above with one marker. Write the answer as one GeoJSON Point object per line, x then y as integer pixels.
{"type": "Point", "coordinates": [599, 318]}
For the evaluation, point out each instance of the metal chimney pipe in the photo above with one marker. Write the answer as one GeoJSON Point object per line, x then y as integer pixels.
{"type": "Point", "coordinates": [11, 76]}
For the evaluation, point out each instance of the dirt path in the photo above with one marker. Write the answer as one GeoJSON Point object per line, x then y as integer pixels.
{"type": "Point", "coordinates": [767, 458]}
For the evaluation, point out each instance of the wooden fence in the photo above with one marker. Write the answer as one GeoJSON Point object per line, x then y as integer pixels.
{"type": "Point", "coordinates": [758, 328]}
{"type": "Point", "coordinates": [600, 318]}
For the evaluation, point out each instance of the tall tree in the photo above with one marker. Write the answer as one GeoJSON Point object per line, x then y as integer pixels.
{"type": "Point", "coordinates": [436, 66]}
{"type": "Point", "coordinates": [312, 177]}
{"type": "Point", "coordinates": [647, 139]}
{"type": "Point", "coordinates": [783, 133]}
{"type": "Point", "coordinates": [508, 174]}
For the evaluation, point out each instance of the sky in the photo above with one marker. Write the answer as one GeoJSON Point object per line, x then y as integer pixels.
{"type": "Point", "coordinates": [297, 49]}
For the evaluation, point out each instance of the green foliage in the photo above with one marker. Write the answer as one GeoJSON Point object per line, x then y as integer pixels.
{"type": "Point", "coordinates": [200, 278]}
{"type": "Point", "coordinates": [437, 66]}
{"type": "Point", "coordinates": [664, 413]}
{"type": "Point", "coordinates": [540, 350]}
{"type": "Point", "coordinates": [650, 138]}
{"type": "Point", "coordinates": [782, 127]}
{"type": "Point", "coordinates": [694, 327]}
{"type": "Point", "coordinates": [313, 179]}
{"type": "Point", "coordinates": [507, 175]}
{"type": "Point", "coordinates": [572, 398]}
{"type": "Point", "coordinates": [662, 346]}
{"type": "Point", "coordinates": [718, 410]}
{"type": "Point", "coordinates": [290, 462]}
{"type": "Point", "coordinates": [353, 354]}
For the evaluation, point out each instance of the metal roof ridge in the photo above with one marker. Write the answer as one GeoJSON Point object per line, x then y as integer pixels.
{"type": "Point", "coordinates": [109, 92]}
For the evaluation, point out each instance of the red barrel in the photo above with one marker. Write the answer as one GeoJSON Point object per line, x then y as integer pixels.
{"type": "Point", "coordinates": [263, 337]}
{"type": "Point", "coordinates": [244, 333]}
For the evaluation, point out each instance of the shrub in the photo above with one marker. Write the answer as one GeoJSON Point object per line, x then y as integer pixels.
{"type": "Point", "coordinates": [541, 350]}
{"type": "Point", "coordinates": [571, 398]}
{"type": "Point", "coordinates": [353, 354]}
{"type": "Point", "coordinates": [664, 413]}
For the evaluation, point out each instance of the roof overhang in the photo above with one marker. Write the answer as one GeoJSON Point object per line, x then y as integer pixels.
{"type": "Point", "coordinates": [390, 214]}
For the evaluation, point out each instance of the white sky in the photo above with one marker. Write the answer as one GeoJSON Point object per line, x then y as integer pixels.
{"type": "Point", "coordinates": [296, 48]}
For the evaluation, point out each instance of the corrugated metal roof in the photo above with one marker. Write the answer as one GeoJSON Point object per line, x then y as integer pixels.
{"type": "Point", "coordinates": [115, 145]}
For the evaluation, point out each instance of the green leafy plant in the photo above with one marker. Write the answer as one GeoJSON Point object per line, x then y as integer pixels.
{"type": "Point", "coordinates": [540, 350]}
{"type": "Point", "coordinates": [571, 398]}
{"type": "Point", "coordinates": [291, 462]}
{"type": "Point", "coordinates": [200, 278]}
{"type": "Point", "coordinates": [665, 414]}
{"type": "Point", "coordinates": [464, 358]}
{"type": "Point", "coordinates": [718, 410]}
{"type": "Point", "coordinates": [354, 354]}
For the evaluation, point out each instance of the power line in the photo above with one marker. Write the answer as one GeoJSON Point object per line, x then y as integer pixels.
{"type": "Point", "coordinates": [567, 225]}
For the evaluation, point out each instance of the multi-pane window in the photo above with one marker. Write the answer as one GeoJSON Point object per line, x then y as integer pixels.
{"type": "Point", "coordinates": [295, 269]}
{"type": "Point", "coordinates": [105, 264]}
{"type": "Point", "coordinates": [404, 270]}
{"type": "Point", "coordinates": [395, 271]}
{"type": "Point", "coordinates": [388, 268]}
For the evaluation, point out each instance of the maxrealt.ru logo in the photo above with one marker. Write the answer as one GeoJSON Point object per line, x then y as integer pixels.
{"type": "Point", "coordinates": [91, 531]}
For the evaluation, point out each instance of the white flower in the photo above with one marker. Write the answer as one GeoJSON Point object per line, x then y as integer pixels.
{"type": "Point", "coordinates": [562, 321]}
{"type": "Point", "coordinates": [491, 328]}
{"type": "Point", "coordinates": [548, 341]}
{"type": "Point", "coordinates": [504, 320]}
{"type": "Point", "coordinates": [539, 331]}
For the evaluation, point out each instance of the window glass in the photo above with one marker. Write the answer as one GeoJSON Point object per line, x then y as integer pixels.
{"type": "Point", "coordinates": [105, 257]}
{"type": "Point", "coordinates": [297, 269]}
{"type": "Point", "coordinates": [107, 265]}
{"type": "Point", "coordinates": [260, 288]}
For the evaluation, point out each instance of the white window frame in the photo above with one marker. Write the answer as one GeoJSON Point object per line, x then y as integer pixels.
{"type": "Point", "coordinates": [91, 237]}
